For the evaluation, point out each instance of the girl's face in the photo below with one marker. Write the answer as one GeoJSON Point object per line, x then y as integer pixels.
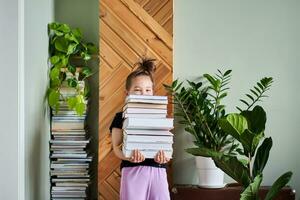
{"type": "Point", "coordinates": [141, 85]}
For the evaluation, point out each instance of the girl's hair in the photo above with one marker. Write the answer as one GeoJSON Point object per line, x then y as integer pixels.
{"type": "Point", "coordinates": [145, 68]}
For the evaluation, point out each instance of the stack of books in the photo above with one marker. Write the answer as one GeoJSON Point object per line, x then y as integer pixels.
{"type": "Point", "coordinates": [70, 161]}
{"type": "Point", "coordinates": [146, 126]}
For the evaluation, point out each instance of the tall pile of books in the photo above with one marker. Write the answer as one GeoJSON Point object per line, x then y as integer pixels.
{"type": "Point", "coordinates": [69, 158]}
{"type": "Point", "coordinates": [146, 126]}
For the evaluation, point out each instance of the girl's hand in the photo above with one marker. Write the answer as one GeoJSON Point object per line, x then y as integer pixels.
{"type": "Point", "coordinates": [136, 156]}
{"type": "Point", "coordinates": [161, 157]}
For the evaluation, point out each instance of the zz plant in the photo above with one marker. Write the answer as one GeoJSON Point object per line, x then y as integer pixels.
{"type": "Point", "coordinates": [199, 107]}
{"type": "Point", "coordinates": [243, 162]}
{"type": "Point", "coordinates": [65, 46]}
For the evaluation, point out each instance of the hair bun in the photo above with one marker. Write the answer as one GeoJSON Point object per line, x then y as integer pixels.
{"type": "Point", "coordinates": [147, 65]}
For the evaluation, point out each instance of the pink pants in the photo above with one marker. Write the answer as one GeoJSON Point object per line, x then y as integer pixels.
{"type": "Point", "coordinates": [144, 183]}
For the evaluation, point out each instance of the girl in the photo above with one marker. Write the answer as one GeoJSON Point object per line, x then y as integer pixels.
{"type": "Point", "coordinates": [141, 179]}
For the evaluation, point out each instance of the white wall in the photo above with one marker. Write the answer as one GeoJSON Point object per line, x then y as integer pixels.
{"type": "Point", "coordinates": [24, 47]}
{"type": "Point", "coordinates": [255, 39]}
{"type": "Point", "coordinates": [37, 15]}
{"type": "Point", "coordinates": [9, 99]}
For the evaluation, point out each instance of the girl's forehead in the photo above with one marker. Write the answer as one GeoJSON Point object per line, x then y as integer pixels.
{"type": "Point", "coordinates": [142, 80]}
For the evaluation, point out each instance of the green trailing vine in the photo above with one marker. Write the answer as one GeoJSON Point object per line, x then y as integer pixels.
{"type": "Point", "coordinates": [65, 46]}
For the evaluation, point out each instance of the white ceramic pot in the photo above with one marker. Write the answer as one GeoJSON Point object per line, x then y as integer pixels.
{"type": "Point", "coordinates": [210, 176]}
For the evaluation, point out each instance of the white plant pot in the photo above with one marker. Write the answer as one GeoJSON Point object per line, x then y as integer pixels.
{"type": "Point", "coordinates": [210, 176]}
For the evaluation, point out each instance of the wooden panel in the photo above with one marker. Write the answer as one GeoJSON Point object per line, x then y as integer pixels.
{"type": "Point", "coordinates": [153, 6]}
{"type": "Point", "coordinates": [129, 30]}
{"type": "Point", "coordinates": [165, 13]}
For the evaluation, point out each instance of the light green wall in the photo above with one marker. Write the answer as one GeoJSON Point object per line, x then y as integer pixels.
{"type": "Point", "coordinates": [37, 129]}
{"type": "Point", "coordinates": [84, 15]}
{"type": "Point", "coordinates": [254, 39]}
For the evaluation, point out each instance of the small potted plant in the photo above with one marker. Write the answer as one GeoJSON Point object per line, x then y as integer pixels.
{"type": "Point", "coordinates": [199, 107]}
{"type": "Point", "coordinates": [67, 79]}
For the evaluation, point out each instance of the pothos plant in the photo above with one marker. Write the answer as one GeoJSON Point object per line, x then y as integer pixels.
{"type": "Point", "coordinates": [243, 162]}
{"type": "Point", "coordinates": [65, 45]}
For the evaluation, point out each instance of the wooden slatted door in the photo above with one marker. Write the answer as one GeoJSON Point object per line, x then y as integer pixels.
{"type": "Point", "coordinates": [129, 29]}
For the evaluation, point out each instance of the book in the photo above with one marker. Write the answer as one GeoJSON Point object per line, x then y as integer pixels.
{"type": "Point", "coordinates": [144, 105]}
{"type": "Point", "coordinates": [151, 97]}
{"type": "Point", "coordinates": [147, 123]}
{"type": "Point", "coordinates": [147, 132]}
{"type": "Point", "coordinates": [147, 146]}
{"type": "Point", "coordinates": [147, 138]}
{"type": "Point", "coordinates": [143, 115]}
{"type": "Point", "coordinates": [147, 153]}
{"type": "Point", "coordinates": [146, 99]}
{"type": "Point", "coordinates": [145, 111]}
{"type": "Point", "coordinates": [69, 125]}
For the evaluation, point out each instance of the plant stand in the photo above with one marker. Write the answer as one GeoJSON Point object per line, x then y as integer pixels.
{"type": "Point", "coordinates": [187, 192]}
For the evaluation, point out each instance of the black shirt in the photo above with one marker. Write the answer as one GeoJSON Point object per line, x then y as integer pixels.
{"type": "Point", "coordinates": [118, 123]}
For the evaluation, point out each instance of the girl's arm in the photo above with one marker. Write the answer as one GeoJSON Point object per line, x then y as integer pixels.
{"type": "Point", "coordinates": [117, 139]}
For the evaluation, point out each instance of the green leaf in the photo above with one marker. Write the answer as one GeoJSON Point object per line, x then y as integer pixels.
{"type": "Point", "coordinates": [71, 38]}
{"type": "Point", "coordinates": [53, 97]}
{"type": "Point", "coordinates": [72, 69]}
{"type": "Point", "coordinates": [54, 73]}
{"type": "Point", "coordinates": [55, 83]}
{"type": "Point", "coordinates": [250, 97]}
{"type": "Point", "coordinates": [80, 108]}
{"type": "Point", "coordinates": [58, 33]}
{"type": "Point", "coordinates": [211, 79]}
{"type": "Point", "coordinates": [262, 156]}
{"type": "Point", "coordinates": [256, 119]}
{"type": "Point", "coordinates": [223, 95]}
{"type": "Point", "coordinates": [64, 28]}
{"type": "Point", "coordinates": [71, 48]}
{"type": "Point", "coordinates": [85, 56]}
{"type": "Point", "coordinates": [234, 124]}
{"type": "Point", "coordinates": [64, 60]}
{"type": "Point", "coordinates": [234, 168]}
{"type": "Point", "coordinates": [227, 72]}
{"type": "Point", "coordinates": [251, 192]}
{"type": "Point", "coordinates": [72, 82]}
{"type": "Point", "coordinates": [91, 48]}
{"type": "Point", "coordinates": [61, 44]}
{"type": "Point", "coordinates": [77, 33]}
{"type": "Point", "coordinates": [72, 102]}
{"type": "Point", "coordinates": [278, 184]}
{"type": "Point", "coordinates": [250, 141]}
{"type": "Point", "coordinates": [245, 102]}
{"type": "Point", "coordinates": [86, 71]}
{"type": "Point", "coordinates": [255, 93]}
{"type": "Point", "coordinates": [203, 151]}
{"type": "Point", "coordinates": [54, 60]}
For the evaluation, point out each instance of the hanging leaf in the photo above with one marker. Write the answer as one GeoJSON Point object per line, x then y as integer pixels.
{"type": "Point", "coordinates": [54, 73]}
{"type": "Point", "coordinates": [54, 60]}
{"type": "Point", "coordinates": [71, 48]}
{"type": "Point", "coordinates": [80, 108]}
{"type": "Point", "coordinates": [72, 102]}
{"type": "Point", "coordinates": [53, 97]}
{"type": "Point", "coordinates": [71, 69]}
{"type": "Point", "coordinates": [61, 44]}
{"type": "Point", "coordinates": [72, 82]}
